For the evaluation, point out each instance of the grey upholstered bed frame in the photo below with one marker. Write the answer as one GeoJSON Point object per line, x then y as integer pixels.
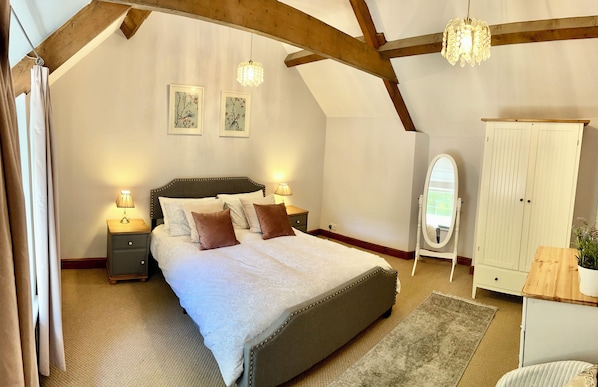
{"type": "Point", "coordinates": [306, 333]}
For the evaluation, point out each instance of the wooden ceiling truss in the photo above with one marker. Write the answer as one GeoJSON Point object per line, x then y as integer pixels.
{"type": "Point", "coordinates": [370, 53]}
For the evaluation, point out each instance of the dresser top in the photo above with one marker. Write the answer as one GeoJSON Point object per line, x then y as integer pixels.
{"type": "Point", "coordinates": [554, 277]}
{"type": "Point", "coordinates": [136, 226]}
{"type": "Point", "coordinates": [292, 210]}
{"type": "Point", "coordinates": [584, 122]}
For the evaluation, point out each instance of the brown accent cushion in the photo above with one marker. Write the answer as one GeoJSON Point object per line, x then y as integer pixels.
{"type": "Point", "coordinates": [207, 206]}
{"type": "Point", "coordinates": [215, 229]}
{"type": "Point", "coordinates": [274, 220]}
{"type": "Point", "coordinates": [249, 210]}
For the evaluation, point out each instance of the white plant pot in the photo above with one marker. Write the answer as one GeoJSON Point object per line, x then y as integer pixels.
{"type": "Point", "coordinates": [588, 281]}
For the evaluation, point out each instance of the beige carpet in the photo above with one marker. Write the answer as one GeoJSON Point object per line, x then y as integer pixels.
{"type": "Point", "coordinates": [135, 334]}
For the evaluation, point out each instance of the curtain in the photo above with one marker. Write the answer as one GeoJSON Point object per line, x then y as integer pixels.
{"type": "Point", "coordinates": [45, 223]}
{"type": "Point", "coordinates": [18, 366]}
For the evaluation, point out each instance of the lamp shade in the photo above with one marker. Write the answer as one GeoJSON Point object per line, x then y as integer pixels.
{"type": "Point", "coordinates": [283, 189]}
{"type": "Point", "coordinates": [250, 73]}
{"type": "Point", "coordinates": [466, 41]}
{"type": "Point", "coordinates": [125, 200]}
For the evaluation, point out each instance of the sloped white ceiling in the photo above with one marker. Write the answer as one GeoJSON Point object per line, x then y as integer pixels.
{"type": "Point", "coordinates": [39, 18]}
{"type": "Point", "coordinates": [548, 80]}
{"type": "Point", "coordinates": [539, 80]}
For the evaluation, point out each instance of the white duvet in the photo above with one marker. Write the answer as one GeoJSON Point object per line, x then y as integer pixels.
{"type": "Point", "coordinates": [234, 293]}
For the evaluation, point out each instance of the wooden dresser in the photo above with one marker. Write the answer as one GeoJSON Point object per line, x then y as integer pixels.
{"type": "Point", "coordinates": [558, 322]}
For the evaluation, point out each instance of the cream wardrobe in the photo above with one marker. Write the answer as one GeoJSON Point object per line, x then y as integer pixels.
{"type": "Point", "coordinates": [526, 197]}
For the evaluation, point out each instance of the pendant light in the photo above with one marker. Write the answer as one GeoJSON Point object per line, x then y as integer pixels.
{"type": "Point", "coordinates": [466, 40]}
{"type": "Point", "coordinates": [250, 73]}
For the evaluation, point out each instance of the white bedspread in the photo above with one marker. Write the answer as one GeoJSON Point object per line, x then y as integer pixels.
{"type": "Point", "coordinates": [234, 293]}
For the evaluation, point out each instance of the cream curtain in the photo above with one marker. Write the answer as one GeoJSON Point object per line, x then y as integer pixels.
{"type": "Point", "coordinates": [18, 365]}
{"type": "Point", "coordinates": [45, 223]}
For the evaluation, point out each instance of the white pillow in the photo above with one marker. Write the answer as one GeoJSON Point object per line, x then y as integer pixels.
{"type": "Point", "coordinates": [233, 202]}
{"type": "Point", "coordinates": [174, 216]}
{"type": "Point", "coordinates": [250, 214]}
{"type": "Point", "coordinates": [203, 207]}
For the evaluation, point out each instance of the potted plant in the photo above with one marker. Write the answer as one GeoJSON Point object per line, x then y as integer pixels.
{"type": "Point", "coordinates": [586, 242]}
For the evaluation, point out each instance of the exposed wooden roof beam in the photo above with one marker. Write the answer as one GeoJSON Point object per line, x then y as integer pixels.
{"type": "Point", "coordinates": [511, 33]}
{"type": "Point", "coordinates": [304, 56]}
{"type": "Point", "coordinates": [364, 18]}
{"type": "Point", "coordinates": [69, 39]}
{"type": "Point", "coordinates": [278, 21]}
{"type": "Point", "coordinates": [584, 27]}
{"type": "Point", "coordinates": [132, 22]}
{"type": "Point", "coordinates": [545, 30]}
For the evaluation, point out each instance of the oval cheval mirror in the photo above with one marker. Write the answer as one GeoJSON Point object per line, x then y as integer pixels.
{"type": "Point", "coordinates": [439, 211]}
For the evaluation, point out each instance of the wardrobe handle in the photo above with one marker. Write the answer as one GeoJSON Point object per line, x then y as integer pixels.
{"type": "Point", "coordinates": [529, 201]}
{"type": "Point", "coordinates": [521, 199]}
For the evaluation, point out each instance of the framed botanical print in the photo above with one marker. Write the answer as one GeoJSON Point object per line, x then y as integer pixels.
{"type": "Point", "coordinates": [185, 109]}
{"type": "Point", "coordinates": [235, 114]}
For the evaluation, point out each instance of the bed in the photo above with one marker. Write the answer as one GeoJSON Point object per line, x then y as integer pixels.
{"type": "Point", "coordinates": [315, 295]}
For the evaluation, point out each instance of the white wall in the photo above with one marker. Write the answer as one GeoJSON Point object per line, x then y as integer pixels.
{"type": "Point", "coordinates": [110, 115]}
{"type": "Point", "coordinates": [368, 179]}
{"type": "Point", "coordinates": [586, 201]}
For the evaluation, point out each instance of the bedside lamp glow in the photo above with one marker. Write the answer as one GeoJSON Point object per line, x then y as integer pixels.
{"type": "Point", "coordinates": [125, 200]}
{"type": "Point", "coordinates": [283, 189]}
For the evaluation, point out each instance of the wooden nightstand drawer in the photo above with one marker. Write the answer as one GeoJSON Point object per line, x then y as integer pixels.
{"type": "Point", "coordinates": [129, 241]}
{"type": "Point", "coordinates": [297, 217]}
{"type": "Point", "coordinates": [299, 222]}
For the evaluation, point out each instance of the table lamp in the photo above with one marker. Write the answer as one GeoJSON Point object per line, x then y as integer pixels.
{"type": "Point", "coordinates": [283, 189]}
{"type": "Point", "coordinates": [125, 200]}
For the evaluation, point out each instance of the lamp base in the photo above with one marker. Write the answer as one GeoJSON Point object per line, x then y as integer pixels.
{"type": "Point", "coordinates": [124, 220]}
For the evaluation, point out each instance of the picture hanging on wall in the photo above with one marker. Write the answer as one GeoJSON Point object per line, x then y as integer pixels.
{"type": "Point", "coordinates": [235, 114]}
{"type": "Point", "coordinates": [185, 110]}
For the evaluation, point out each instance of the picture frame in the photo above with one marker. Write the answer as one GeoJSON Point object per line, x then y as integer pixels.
{"type": "Point", "coordinates": [185, 109]}
{"type": "Point", "coordinates": [235, 114]}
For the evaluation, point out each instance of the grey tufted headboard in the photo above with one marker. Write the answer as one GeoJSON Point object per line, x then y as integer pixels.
{"type": "Point", "coordinates": [199, 187]}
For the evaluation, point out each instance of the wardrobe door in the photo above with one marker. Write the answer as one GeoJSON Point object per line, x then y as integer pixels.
{"type": "Point", "coordinates": [550, 193]}
{"type": "Point", "coordinates": [502, 191]}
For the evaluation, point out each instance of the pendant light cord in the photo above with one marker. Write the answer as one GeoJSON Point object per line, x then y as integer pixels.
{"type": "Point", "coordinates": [468, 5]}
{"type": "Point", "coordinates": [38, 59]}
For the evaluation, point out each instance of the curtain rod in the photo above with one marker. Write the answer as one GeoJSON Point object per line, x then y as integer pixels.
{"type": "Point", "coordinates": [38, 59]}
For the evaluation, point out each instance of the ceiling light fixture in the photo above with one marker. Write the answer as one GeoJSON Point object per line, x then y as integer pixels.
{"type": "Point", "coordinates": [250, 73]}
{"type": "Point", "coordinates": [467, 40]}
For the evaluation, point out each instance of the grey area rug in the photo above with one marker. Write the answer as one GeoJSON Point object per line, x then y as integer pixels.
{"type": "Point", "coordinates": [430, 347]}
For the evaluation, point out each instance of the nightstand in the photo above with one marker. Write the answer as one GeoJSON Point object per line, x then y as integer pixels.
{"type": "Point", "coordinates": [128, 246]}
{"type": "Point", "coordinates": [298, 217]}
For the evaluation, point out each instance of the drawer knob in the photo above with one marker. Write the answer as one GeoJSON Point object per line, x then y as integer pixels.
{"type": "Point", "coordinates": [298, 221]}
{"type": "Point", "coordinates": [143, 262]}
{"type": "Point", "coordinates": [130, 243]}
{"type": "Point", "coordinates": [496, 278]}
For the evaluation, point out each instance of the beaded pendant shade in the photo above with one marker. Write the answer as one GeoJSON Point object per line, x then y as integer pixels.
{"type": "Point", "coordinates": [466, 40]}
{"type": "Point", "coordinates": [250, 73]}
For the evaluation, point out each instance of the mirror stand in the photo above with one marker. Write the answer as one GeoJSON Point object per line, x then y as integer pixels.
{"type": "Point", "coordinates": [452, 255]}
